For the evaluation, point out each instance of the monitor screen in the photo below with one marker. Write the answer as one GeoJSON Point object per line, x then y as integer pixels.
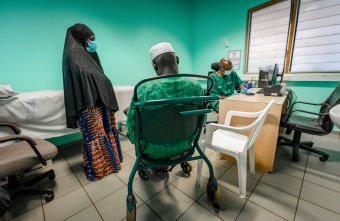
{"type": "Point", "coordinates": [268, 76]}
{"type": "Point", "coordinates": [275, 73]}
{"type": "Point", "coordinates": [263, 78]}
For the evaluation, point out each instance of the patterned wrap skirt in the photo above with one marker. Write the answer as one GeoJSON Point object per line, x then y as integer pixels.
{"type": "Point", "coordinates": [101, 148]}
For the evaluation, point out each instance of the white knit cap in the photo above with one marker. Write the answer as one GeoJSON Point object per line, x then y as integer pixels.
{"type": "Point", "coordinates": [160, 48]}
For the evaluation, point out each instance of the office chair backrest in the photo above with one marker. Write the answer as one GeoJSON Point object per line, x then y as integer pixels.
{"type": "Point", "coordinates": [334, 99]}
{"type": "Point", "coordinates": [215, 66]}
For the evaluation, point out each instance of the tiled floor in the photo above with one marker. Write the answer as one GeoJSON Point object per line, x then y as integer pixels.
{"type": "Point", "coordinates": [308, 190]}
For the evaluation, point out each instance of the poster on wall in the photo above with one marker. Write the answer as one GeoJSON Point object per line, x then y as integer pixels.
{"type": "Point", "coordinates": [235, 57]}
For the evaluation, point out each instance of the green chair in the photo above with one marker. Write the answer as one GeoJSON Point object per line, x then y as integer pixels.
{"type": "Point", "coordinates": [167, 122]}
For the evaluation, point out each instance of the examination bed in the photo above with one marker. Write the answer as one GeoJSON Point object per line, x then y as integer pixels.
{"type": "Point", "coordinates": [41, 114]}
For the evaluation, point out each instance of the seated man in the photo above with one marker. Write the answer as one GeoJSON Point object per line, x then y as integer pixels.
{"type": "Point", "coordinates": [226, 81]}
{"type": "Point", "coordinates": [165, 62]}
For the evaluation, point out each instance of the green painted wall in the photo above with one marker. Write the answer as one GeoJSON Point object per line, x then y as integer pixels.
{"type": "Point", "coordinates": [33, 34]}
{"type": "Point", "coordinates": [214, 21]}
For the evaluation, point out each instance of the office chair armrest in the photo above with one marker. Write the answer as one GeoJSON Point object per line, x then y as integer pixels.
{"type": "Point", "coordinates": [303, 102]}
{"type": "Point", "coordinates": [210, 129]}
{"type": "Point", "coordinates": [307, 112]}
{"type": "Point", "coordinates": [29, 140]}
{"type": "Point", "coordinates": [14, 127]}
{"type": "Point", "coordinates": [191, 99]}
{"type": "Point", "coordinates": [231, 114]}
{"type": "Point", "coordinates": [195, 112]}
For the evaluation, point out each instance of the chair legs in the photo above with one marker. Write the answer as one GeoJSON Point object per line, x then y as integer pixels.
{"type": "Point", "coordinates": [21, 188]}
{"type": "Point", "coordinates": [297, 144]}
{"type": "Point", "coordinates": [252, 160]}
{"type": "Point", "coordinates": [199, 172]}
{"type": "Point", "coordinates": [130, 200]}
{"type": "Point", "coordinates": [242, 170]}
{"type": "Point", "coordinates": [213, 191]}
{"type": "Point", "coordinates": [324, 156]}
{"type": "Point", "coordinates": [242, 175]}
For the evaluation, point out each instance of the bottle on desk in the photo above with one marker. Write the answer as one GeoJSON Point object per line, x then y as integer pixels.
{"type": "Point", "coordinates": [249, 84]}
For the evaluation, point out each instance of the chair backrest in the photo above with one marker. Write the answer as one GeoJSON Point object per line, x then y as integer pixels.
{"type": "Point", "coordinates": [166, 125]}
{"type": "Point", "coordinates": [324, 121]}
{"type": "Point", "coordinates": [164, 121]}
{"type": "Point", "coordinates": [215, 67]}
{"type": "Point", "coordinates": [258, 123]}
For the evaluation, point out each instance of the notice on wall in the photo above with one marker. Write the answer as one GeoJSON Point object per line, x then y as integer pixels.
{"type": "Point", "coordinates": [235, 57]}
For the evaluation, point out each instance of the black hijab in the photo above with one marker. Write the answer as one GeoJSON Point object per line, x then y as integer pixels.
{"type": "Point", "coordinates": [85, 84]}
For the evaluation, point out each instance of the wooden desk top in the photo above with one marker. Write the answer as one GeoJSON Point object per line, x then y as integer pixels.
{"type": "Point", "coordinates": [258, 98]}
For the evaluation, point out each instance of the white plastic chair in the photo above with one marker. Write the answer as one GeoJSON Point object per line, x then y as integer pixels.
{"type": "Point", "coordinates": [334, 114]}
{"type": "Point", "coordinates": [229, 140]}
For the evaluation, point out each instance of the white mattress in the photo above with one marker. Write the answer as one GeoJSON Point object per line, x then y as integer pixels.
{"type": "Point", "coordinates": [42, 114]}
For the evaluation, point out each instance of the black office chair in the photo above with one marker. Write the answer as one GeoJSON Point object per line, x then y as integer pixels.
{"type": "Point", "coordinates": [319, 125]}
{"type": "Point", "coordinates": [215, 67]}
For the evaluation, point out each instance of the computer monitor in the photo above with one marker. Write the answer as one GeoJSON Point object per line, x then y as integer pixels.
{"type": "Point", "coordinates": [268, 76]}
{"type": "Point", "coordinates": [275, 74]}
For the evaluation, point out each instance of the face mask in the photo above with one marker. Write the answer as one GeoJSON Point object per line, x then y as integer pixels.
{"type": "Point", "coordinates": [226, 73]}
{"type": "Point", "coordinates": [91, 46]}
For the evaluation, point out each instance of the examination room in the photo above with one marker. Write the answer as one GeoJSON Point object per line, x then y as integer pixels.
{"type": "Point", "coordinates": [183, 110]}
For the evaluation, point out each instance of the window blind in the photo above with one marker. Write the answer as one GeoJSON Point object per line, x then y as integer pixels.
{"type": "Point", "coordinates": [267, 43]}
{"type": "Point", "coordinates": [317, 38]}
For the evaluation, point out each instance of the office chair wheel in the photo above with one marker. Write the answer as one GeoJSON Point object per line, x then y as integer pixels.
{"type": "Point", "coordinates": [51, 176]}
{"type": "Point", "coordinates": [323, 158]}
{"type": "Point", "coordinates": [186, 167]}
{"type": "Point", "coordinates": [214, 193]}
{"type": "Point", "coordinates": [143, 175]}
{"type": "Point", "coordinates": [131, 208]}
{"type": "Point", "coordinates": [49, 197]}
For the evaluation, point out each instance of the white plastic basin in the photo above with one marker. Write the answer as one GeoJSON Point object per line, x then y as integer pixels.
{"type": "Point", "coordinates": [334, 114]}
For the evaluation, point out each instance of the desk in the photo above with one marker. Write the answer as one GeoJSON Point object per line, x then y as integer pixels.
{"type": "Point", "coordinates": [265, 145]}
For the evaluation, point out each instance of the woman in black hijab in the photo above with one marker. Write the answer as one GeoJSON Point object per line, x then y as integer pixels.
{"type": "Point", "coordinates": [90, 103]}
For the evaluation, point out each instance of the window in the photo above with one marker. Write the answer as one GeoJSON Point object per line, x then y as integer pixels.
{"type": "Point", "coordinates": [268, 36]}
{"type": "Point", "coordinates": [304, 36]}
{"type": "Point", "coordinates": [317, 38]}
